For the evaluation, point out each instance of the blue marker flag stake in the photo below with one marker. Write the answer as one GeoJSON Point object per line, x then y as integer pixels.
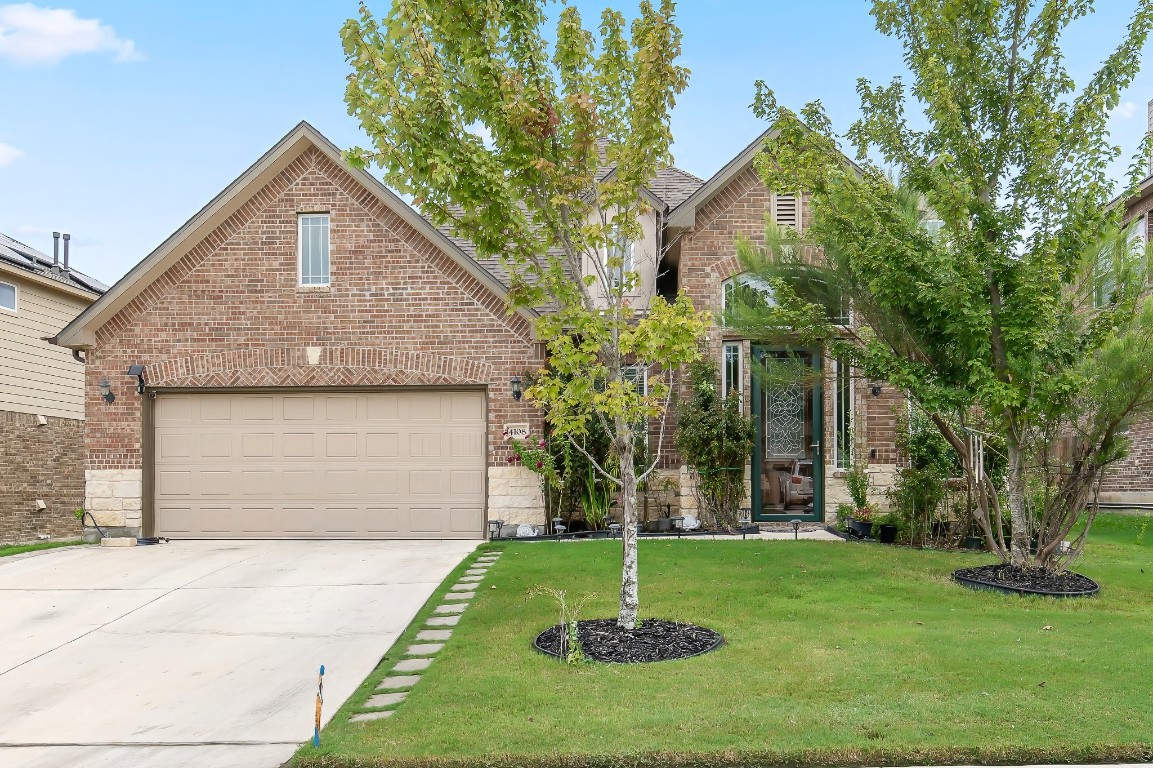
{"type": "Point", "coordinates": [319, 702]}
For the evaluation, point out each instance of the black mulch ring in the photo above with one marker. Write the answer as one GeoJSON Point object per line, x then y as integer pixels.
{"type": "Point", "coordinates": [653, 640]}
{"type": "Point", "coordinates": [1037, 581]}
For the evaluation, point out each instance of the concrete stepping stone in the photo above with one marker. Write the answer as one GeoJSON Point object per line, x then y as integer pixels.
{"type": "Point", "coordinates": [424, 649]}
{"type": "Point", "coordinates": [442, 621]}
{"type": "Point", "coordinates": [434, 634]}
{"type": "Point", "coordinates": [398, 681]}
{"type": "Point", "coordinates": [453, 608]}
{"type": "Point", "coordinates": [412, 665]}
{"type": "Point", "coordinates": [364, 717]}
{"type": "Point", "coordinates": [385, 699]}
{"type": "Point", "coordinates": [478, 572]}
{"type": "Point", "coordinates": [463, 588]}
{"type": "Point", "coordinates": [467, 579]}
{"type": "Point", "coordinates": [460, 596]}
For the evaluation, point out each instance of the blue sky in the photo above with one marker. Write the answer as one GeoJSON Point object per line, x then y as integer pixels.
{"type": "Point", "coordinates": [119, 120]}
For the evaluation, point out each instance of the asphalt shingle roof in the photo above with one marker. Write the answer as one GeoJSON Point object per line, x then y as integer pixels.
{"type": "Point", "coordinates": [25, 257]}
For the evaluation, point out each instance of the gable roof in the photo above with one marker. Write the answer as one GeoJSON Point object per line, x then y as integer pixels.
{"type": "Point", "coordinates": [25, 258]}
{"type": "Point", "coordinates": [81, 332]}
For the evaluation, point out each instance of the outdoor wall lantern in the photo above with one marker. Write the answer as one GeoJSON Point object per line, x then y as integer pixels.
{"type": "Point", "coordinates": [517, 392]}
{"type": "Point", "coordinates": [106, 390]}
{"type": "Point", "coordinates": [138, 372]}
{"type": "Point", "coordinates": [875, 389]}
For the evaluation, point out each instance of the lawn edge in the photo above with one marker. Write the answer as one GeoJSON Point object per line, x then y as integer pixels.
{"type": "Point", "coordinates": [10, 550]}
{"type": "Point", "coordinates": [830, 758]}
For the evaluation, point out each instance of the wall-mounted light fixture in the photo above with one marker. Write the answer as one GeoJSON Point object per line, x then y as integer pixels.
{"type": "Point", "coordinates": [875, 389]}
{"type": "Point", "coordinates": [517, 392]}
{"type": "Point", "coordinates": [106, 390]}
{"type": "Point", "coordinates": [138, 372]}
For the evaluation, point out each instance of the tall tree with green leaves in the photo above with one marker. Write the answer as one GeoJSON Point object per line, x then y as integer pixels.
{"type": "Point", "coordinates": [995, 283]}
{"type": "Point", "coordinates": [573, 129]}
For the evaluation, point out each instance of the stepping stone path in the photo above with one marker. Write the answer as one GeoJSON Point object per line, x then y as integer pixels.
{"type": "Point", "coordinates": [429, 642]}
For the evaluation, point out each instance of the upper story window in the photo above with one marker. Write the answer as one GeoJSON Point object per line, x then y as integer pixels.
{"type": "Point", "coordinates": [8, 297]}
{"type": "Point", "coordinates": [749, 289]}
{"type": "Point", "coordinates": [638, 376]}
{"type": "Point", "coordinates": [622, 249]}
{"type": "Point", "coordinates": [312, 249]}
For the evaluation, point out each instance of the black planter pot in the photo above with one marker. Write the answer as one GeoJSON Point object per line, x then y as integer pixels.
{"type": "Point", "coordinates": [664, 524]}
{"type": "Point", "coordinates": [861, 528]}
{"type": "Point", "coordinates": [974, 542]}
{"type": "Point", "coordinates": [888, 534]}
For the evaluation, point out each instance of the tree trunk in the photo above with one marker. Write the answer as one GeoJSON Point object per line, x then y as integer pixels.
{"type": "Point", "coordinates": [1018, 514]}
{"type": "Point", "coordinates": [630, 591]}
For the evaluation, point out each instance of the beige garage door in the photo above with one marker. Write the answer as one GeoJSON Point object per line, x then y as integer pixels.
{"type": "Point", "coordinates": [320, 464]}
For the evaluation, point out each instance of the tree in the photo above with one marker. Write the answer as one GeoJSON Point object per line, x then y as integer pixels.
{"type": "Point", "coordinates": [573, 131]}
{"type": "Point", "coordinates": [994, 281]}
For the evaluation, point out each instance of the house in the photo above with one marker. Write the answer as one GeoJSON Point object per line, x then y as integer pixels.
{"type": "Point", "coordinates": [1129, 483]}
{"type": "Point", "coordinates": [41, 393]}
{"type": "Point", "coordinates": [311, 358]}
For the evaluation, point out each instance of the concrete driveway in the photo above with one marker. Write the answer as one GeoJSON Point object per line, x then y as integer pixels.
{"type": "Point", "coordinates": [196, 653]}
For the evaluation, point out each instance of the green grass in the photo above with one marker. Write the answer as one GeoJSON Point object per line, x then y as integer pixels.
{"type": "Point", "coordinates": [16, 549]}
{"type": "Point", "coordinates": [835, 654]}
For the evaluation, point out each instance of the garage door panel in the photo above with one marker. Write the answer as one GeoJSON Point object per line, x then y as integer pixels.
{"type": "Point", "coordinates": [300, 464]}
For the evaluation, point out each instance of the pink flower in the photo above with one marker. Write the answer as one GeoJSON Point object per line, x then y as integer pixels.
{"type": "Point", "coordinates": [539, 464]}
{"type": "Point", "coordinates": [511, 459]}
{"type": "Point", "coordinates": [542, 443]}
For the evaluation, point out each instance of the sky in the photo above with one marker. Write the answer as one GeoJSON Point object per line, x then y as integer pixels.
{"type": "Point", "coordinates": [120, 119]}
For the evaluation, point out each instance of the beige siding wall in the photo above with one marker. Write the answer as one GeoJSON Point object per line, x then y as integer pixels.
{"type": "Point", "coordinates": [35, 376]}
{"type": "Point", "coordinates": [645, 261]}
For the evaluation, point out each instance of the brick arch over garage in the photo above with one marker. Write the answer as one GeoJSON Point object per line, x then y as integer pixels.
{"type": "Point", "coordinates": [328, 367]}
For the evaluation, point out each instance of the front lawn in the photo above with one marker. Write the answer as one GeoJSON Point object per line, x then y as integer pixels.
{"type": "Point", "coordinates": [848, 654]}
{"type": "Point", "coordinates": [19, 549]}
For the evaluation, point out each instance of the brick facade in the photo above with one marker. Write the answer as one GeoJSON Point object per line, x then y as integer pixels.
{"type": "Point", "coordinates": [40, 462]}
{"type": "Point", "coordinates": [230, 314]}
{"type": "Point", "coordinates": [708, 257]}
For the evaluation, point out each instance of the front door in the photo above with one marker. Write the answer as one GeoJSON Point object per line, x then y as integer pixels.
{"type": "Point", "coordinates": [788, 463]}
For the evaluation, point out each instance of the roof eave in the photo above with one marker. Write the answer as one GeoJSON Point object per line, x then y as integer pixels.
{"type": "Point", "coordinates": [47, 282]}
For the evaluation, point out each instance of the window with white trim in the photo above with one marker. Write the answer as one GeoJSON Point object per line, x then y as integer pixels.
{"type": "Point", "coordinates": [786, 209]}
{"type": "Point", "coordinates": [8, 297]}
{"type": "Point", "coordinates": [749, 288]}
{"type": "Point", "coordinates": [620, 249]}
{"type": "Point", "coordinates": [842, 414]}
{"type": "Point", "coordinates": [638, 376]}
{"type": "Point", "coordinates": [731, 371]}
{"type": "Point", "coordinates": [313, 249]}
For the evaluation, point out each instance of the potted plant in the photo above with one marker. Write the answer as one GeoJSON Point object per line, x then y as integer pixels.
{"type": "Point", "coordinates": [844, 516]}
{"type": "Point", "coordinates": [885, 528]}
{"type": "Point", "coordinates": [862, 522]}
{"type": "Point", "coordinates": [857, 481]}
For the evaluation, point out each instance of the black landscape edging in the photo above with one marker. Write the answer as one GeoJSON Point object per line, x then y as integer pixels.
{"type": "Point", "coordinates": [717, 643]}
{"type": "Point", "coordinates": [980, 584]}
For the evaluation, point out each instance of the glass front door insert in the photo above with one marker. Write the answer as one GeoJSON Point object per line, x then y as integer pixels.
{"type": "Point", "coordinates": [788, 481]}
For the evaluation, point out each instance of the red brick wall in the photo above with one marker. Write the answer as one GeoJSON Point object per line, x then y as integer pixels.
{"type": "Point", "coordinates": [40, 462]}
{"type": "Point", "coordinates": [1133, 475]}
{"type": "Point", "coordinates": [229, 313]}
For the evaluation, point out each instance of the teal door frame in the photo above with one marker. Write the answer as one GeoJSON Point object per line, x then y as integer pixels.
{"type": "Point", "coordinates": [816, 450]}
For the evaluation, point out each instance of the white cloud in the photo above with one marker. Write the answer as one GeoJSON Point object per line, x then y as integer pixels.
{"type": "Point", "coordinates": [1126, 110]}
{"type": "Point", "coordinates": [9, 154]}
{"type": "Point", "coordinates": [480, 129]}
{"type": "Point", "coordinates": [30, 34]}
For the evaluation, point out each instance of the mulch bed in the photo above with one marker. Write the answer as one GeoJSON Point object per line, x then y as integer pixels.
{"type": "Point", "coordinates": [1027, 580]}
{"type": "Point", "coordinates": [652, 640]}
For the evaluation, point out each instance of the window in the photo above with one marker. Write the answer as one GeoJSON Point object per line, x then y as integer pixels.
{"type": "Point", "coordinates": [622, 249]}
{"type": "Point", "coordinates": [639, 377]}
{"type": "Point", "coordinates": [786, 209]}
{"type": "Point", "coordinates": [8, 297]}
{"type": "Point", "coordinates": [933, 225]}
{"type": "Point", "coordinates": [731, 373]}
{"type": "Point", "coordinates": [313, 248]}
{"type": "Point", "coordinates": [750, 289]}
{"type": "Point", "coordinates": [842, 415]}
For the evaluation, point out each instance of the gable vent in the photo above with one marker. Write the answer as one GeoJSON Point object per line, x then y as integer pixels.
{"type": "Point", "coordinates": [787, 210]}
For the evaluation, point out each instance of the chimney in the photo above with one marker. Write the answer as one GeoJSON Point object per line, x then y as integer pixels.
{"type": "Point", "coordinates": [67, 237]}
{"type": "Point", "coordinates": [1149, 128]}
{"type": "Point", "coordinates": [56, 250]}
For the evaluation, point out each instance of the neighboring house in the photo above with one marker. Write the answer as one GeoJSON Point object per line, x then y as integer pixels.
{"type": "Point", "coordinates": [41, 394]}
{"type": "Point", "coordinates": [319, 361]}
{"type": "Point", "coordinates": [1130, 482]}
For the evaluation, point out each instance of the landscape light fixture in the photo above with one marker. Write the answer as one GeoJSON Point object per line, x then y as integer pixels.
{"type": "Point", "coordinates": [138, 372]}
{"type": "Point", "coordinates": [517, 392]}
{"type": "Point", "coordinates": [796, 528]}
{"type": "Point", "coordinates": [106, 390]}
{"type": "Point", "coordinates": [494, 527]}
